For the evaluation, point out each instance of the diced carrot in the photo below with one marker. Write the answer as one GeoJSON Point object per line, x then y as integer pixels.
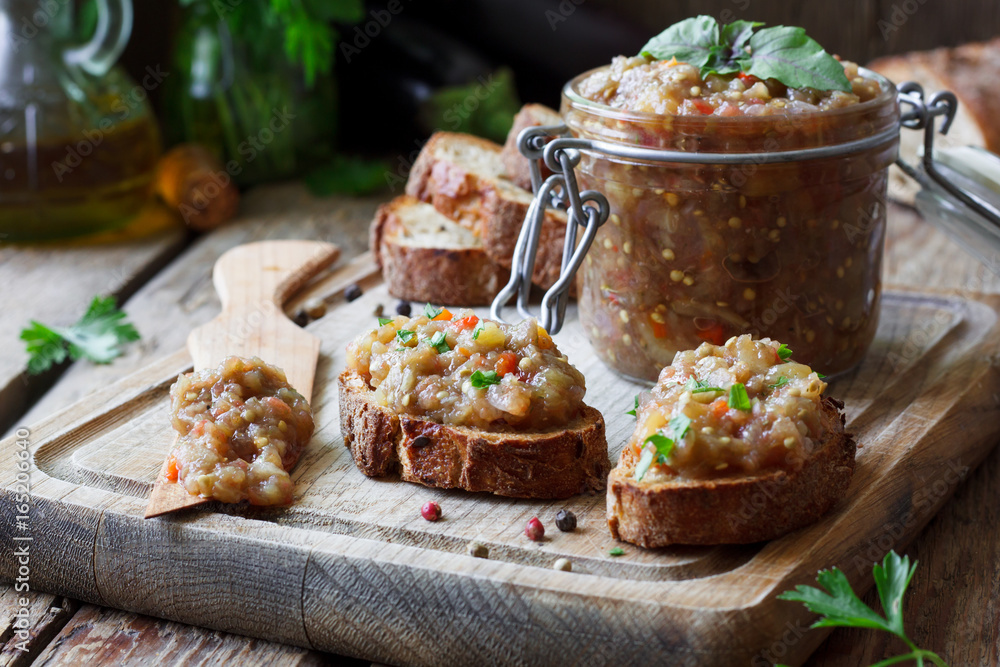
{"type": "Point", "coordinates": [445, 314]}
{"type": "Point", "coordinates": [720, 407]}
{"type": "Point", "coordinates": [506, 363]}
{"type": "Point", "coordinates": [465, 323]}
{"type": "Point", "coordinates": [464, 351]}
{"type": "Point", "coordinates": [172, 469]}
{"type": "Point", "coordinates": [659, 328]}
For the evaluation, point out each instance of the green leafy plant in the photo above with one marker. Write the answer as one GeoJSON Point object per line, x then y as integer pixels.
{"type": "Point", "coordinates": [97, 337]}
{"type": "Point", "coordinates": [784, 53]}
{"type": "Point", "coordinates": [839, 606]}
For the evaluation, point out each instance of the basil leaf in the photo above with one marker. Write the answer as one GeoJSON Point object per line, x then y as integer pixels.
{"type": "Point", "coordinates": [439, 343]}
{"type": "Point", "coordinates": [480, 379]}
{"type": "Point", "coordinates": [787, 54]}
{"type": "Point", "coordinates": [738, 397]}
{"type": "Point", "coordinates": [636, 408]}
{"type": "Point", "coordinates": [405, 334]}
{"type": "Point", "coordinates": [430, 312]}
{"type": "Point", "coordinates": [645, 461]}
{"type": "Point", "coordinates": [479, 328]}
{"type": "Point", "coordinates": [693, 40]}
{"type": "Point", "coordinates": [737, 35]}
{"type": "Point", "coordinates": [382, 321]}
{"type": "Point", "coordinates": [784, 352]}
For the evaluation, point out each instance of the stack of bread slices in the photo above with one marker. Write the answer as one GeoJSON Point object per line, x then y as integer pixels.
{"type": "Point", "coordinates": [450, 238]}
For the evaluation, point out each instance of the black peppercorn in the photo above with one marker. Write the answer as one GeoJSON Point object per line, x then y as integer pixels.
{"type": "Point", "coordinates": [403, 308]}
{"type": "Point", "coordinates": [352, 292]}
{"type": "Point", "coordinates": [565, 521]}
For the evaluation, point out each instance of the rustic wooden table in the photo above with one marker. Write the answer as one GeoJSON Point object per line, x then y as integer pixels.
{"type": "Point", "coordinates": [165, 280]}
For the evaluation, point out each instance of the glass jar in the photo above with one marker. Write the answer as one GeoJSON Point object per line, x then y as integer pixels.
{"type": "Point", "coordinates": [78, 142]}
{"type": "Point", "coordinates": [702, 252]}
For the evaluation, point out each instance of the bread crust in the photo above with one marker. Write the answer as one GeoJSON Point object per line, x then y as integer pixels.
{"type": "Point", "coordinates": [733, 510]}
{"type": "Point", "coordinates": [551, 464]}
{"type": "Point", "coordinates": [486, 204]}
{"type": "Point", "coordinates": [446, 276]}
{"type": "Point", "coordinates": [516, 166]}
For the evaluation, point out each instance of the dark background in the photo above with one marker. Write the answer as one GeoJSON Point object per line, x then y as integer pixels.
{"type": "Point", "coordinates": [545, 42]}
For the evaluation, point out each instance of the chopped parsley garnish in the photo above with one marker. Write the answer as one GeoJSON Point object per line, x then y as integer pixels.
{"type": "Point", "coordinates": [430, 311]}
{"type": "Point", "coordinates": [439, 343]}
{"type": "Point", "coordinates": [382, 321]}
{"type": "Point", "coordinates": [405, 334]}
{"type": "Point", "coordinates": [663, 445]}
{"type": "Point", "coordinates": [480, 379]}
{"type": "Point", "coordinates": [782, 381]}
{"type": "Point", "coordinates": [784, 352]}
{"type": "Point", "coordinates": [696, 386]}
{"type": "Point", "coordinates": [781, 52]}
{"type": "Point", "coordinates": [479, 328]}
{"type": "Point", "coordinates": [820, 376]}
{"type": "Point", "coordinates": [98, 337]}
{"type": "Point", "coordinates": [617, 551]}
{"type": "Point", "coordinates": [635, 408]}
{"type": "Point", "coordinates": [738, 397]}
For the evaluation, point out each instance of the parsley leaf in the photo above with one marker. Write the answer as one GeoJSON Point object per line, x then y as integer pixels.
{"type": "Point", "coordinates": [382, 321]}
{"type": "Point", "coordinates": [480, 379]}
{"type": "Point", "coordinates": [405, 334]}
{"type": "Point", "coordinates": [784, 352]}
{"type": "Point", "coordinates": [663, 445]}
{"type": "Point", "coordinates": [97, 337]}
{"type": "Point", "coordinates": [696, 386]}
{"type": "Point", "coordinates": [782, 52]}
{"type": "Point", "coordinates": [617, 551]}
{"type": "Point", "coordinates": [430, 312]}
{"type": "Point", "coordinates": [782, 381]}
{"type": "Point", "coordinates": [820, 376]}
{"type": "Point", "coordinates": [636, 408]}
{"type": "Point", "coordinates": [841, 607]}
{"type": "Point", "coordinates": [738, 397]}
{"type": "Point", "coordinates": [439, 343]}
{"type": "Point", "coordinates": [479, 328]}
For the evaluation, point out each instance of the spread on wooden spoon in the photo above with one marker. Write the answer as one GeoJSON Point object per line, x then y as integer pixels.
{"type": "Point", "coordinates": [241, 428]}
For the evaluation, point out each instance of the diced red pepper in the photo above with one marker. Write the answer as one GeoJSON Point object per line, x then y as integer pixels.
{"type": "Point", "coordinates": [172, 469]}
{"type": "Point", "coordinates": [506, 363]}
{"type": "Point", "coordinates": [659, 328]}
{"type": "Point", "coordinates": [720, 407]}
{"type": "Point", "coordinates": [747, 79]}
{"type": "Point", "coordinates": [714, 334]}
{"type": "Point", "coordinates": [445, 314]}
{"type": "Point", "coordinates": [465, 323]}
{"type": "Point", "coordinates": [702, 106]}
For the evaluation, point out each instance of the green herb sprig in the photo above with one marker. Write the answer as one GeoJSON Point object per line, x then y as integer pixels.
{"type": "Point", "coordinates": [480, 379]}
{"type": "Point", "coordinates": [663, 445]}
{"type": "Point", "coordinates": [839, 606]}
{"type": "Point", "coordinates": [98, 337]}
{"type": "Point", "coordinates": [782, 52]}
{"type": "Point", "coordinates": [738, 398]}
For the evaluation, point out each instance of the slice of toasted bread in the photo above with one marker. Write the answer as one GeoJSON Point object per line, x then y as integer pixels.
{"type": "Point", "coordinates": [426, 256]}
{"type": "Point", "coordinates": [516, 166]}
{"type": "Point", "coordinates": [969, 71]}
{"type": "Point", "coordinates": [556, 463]}
{"type": "Point", "coordinates": [732, 510]}
{"type": "Point", "coordinates": [461, 175]}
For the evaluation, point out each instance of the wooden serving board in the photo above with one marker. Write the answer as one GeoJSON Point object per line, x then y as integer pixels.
{"type": "Point", "coordinates": [352, 568]}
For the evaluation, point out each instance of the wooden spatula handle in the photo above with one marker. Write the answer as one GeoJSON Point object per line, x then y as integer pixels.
{"type": "Point", "coordinates": [253, 281]}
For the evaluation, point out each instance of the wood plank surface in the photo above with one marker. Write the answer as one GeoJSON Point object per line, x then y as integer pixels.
{"type": "Point", "coordinates": [54, 284]}
{"type": "Point", "coordinates": [364, 536]}
{"type": "Point", "coordinates": [917, 254]}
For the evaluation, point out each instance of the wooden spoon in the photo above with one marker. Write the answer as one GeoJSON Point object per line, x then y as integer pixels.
{"type": "Point", "coordinates": [253, 282]}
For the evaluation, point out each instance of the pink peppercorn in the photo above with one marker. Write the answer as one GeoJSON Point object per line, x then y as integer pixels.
{"type": "Point", "coordinates": [534, 530]}
{"type": "Point", "coordinates": [431, 511]}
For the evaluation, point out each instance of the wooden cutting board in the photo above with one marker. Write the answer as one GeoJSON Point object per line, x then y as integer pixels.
{"type": "Point", "coordinates": [352, 568]}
